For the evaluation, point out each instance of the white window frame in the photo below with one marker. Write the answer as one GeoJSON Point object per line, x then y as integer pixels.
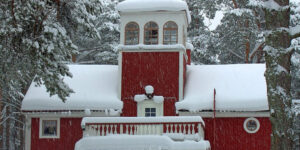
{"type": "Point", "coordinates": [57, 136]}
{"type": "Point", "coordinates": [150, 104]}
{"type": "Point", "coordinates": [257, 123]}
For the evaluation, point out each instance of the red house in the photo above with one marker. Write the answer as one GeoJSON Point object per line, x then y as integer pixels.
{"type": "Point", "coordinates": [154, 98]}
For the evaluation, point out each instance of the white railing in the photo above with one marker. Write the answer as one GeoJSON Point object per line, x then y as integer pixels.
{"type": "Point", "coordinates": [174, 127]}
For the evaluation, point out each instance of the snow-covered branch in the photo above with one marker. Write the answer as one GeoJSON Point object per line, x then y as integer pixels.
{"type": "Point", "coordinates": [270, 4]}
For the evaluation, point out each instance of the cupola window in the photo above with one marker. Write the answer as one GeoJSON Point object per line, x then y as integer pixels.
{"type": "Point", "coordinates": [170, 33]}
{"type": "Point", "coordinates": [151, 33]}
{"type": "Point", "coordinates": [132, 33]}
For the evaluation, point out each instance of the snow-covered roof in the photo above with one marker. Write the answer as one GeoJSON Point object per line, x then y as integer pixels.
{"type": "Point", "coordinates": [154, 5]}
{"type": "Point", "coordinates": [95, 86]}
{"type": "Point", "coordinates": [240, 87]}
{"type": "Point", "coordinates": [132, 142]}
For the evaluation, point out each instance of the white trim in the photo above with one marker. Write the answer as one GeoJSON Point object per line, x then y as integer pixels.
{"type": "Point", "coordinates": [245, 125]}
{"type": "Point", "coordinates": [120, 74]}
{"type": "Point", "coordinates": [27, 133]}
{"type": "Point", "coordinates": [180, 84]}
{"type": "Point", "coordinates": [57, 128]}
{"type": "Point", "coordinates": [156, 50]}
{"type": "Point", "coordinates": [226, 114]}
{"type": "Point", "coordinates": [148, 48]}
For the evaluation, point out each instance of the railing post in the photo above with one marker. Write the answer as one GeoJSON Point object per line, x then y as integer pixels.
{"type": "Point", "coordinates": [189, 128]}
{"type": "Point", "coordinates": [193, 128]}
{"type": "Point", "coordinates": [121, 128]}
{"type": "Point", "coordinates": [126, 129]}
{"type": "Point", "coordinates": [167, 125]}
{"type": "Point", "coordinates": [115, 131]}
{"type": "Point", "coordinates": [180, 131]}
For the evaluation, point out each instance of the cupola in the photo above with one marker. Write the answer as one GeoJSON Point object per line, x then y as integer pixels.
{"type": "Point", "coordinates": [153, 22]}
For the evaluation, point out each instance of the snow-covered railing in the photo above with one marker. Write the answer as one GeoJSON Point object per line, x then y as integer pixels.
{"type": "Point", "coordinates": [179, 128]}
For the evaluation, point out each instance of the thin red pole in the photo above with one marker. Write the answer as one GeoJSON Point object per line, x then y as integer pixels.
{"type": "Point", "coordinates": [214, 145]}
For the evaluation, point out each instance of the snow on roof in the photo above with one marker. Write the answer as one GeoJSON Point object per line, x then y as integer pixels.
{"type": "Point", "coordinates": [95, 86]}
{"type": "Point", "coordinates": [132, 142]}
{"type": "Point", "coordinates": [164, 119]}
{"type": "Point", "coordinates": [240, 87]}
{"type": "Point", "coordinates": [154, 5]}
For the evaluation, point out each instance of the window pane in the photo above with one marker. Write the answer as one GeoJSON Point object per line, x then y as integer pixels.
{"type": "Point", "coordinates": [173, 38]}
{"type": "Point", "coordinates": [147, 109]}
{"type": "Point", "coordinates": [147, 114]}
{"type": "Point", "coordinates": [153, 114]}
{"type": "Point", "coordinates": [151, 33]}
{"type": "Point", "coordinates": [131, 34]}
{"type": "Point", "coordinates": [170, 33]}
{"type": "Point", "coordinates": [49, 127]}
{"type": "Point", "coordinates": [170, 24]}
{"type": "Point", "coordinates": [153, 109]}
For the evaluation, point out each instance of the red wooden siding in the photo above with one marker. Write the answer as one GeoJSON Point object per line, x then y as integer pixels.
{"type": "Point", "coordinates": [159, 69]}
{"type": "Point", "coordinates": [230, 134]}
{"type": "Point", "coordinates": [70, 133]}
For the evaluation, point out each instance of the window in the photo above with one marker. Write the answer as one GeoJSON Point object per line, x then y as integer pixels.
{"type": "Point", "coordinates": [170, 33]}
{"type": "Point", "coordinates": [149, 108]}
{"type": "Point", "coordinates": [151, 33]}
{"type": "Point", "coordinates": [150, 112]}
{"type": "Point", "coordinates": [132, 33]}
{"type": "Point", "coordinates": [49, 128]}
{"type": "Point", "coordinates": [251, 125]}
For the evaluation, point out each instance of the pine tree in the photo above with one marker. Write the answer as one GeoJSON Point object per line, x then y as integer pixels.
{"type": "Point", "coordinates": [278, 61]}
{"type": "Point", "coordinates": [236, 40]}
{"type": "Point", "coordinates": [198, 33]}
{"type": "Point", "coordinates": [101, 50]}
{"type": "Point", "coordinates": [239, 34]}
{"type": "Point", "coordinates": [35, 43]}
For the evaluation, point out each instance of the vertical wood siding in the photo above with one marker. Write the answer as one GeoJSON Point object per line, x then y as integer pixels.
{"type": "Point", "coordinates": [230, 134]}
{"type": "Point", "coordinates": [159, 69]}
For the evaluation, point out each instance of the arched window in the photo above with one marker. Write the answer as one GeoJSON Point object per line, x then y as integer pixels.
{"type": "Point", "coordinates": [151, 33]}
{"type": "Point", "coordinates": [170, 33]}
{"type": "Point", "coordinates": [132, 33]}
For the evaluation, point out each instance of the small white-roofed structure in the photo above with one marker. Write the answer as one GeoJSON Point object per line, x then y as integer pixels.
{"type": "Point", "coordinates": [240, 87]}
{"type": "Point", "coordinates": [95, 87]}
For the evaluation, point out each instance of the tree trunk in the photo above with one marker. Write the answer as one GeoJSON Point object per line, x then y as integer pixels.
{"type": "Point", "coordinates": [277, 55]}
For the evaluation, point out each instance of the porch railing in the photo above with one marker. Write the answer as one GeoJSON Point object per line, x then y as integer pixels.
{"type": "Point", "coordinates": [178, 128]}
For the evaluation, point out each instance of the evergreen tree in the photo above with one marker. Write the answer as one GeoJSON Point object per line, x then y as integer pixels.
{"type": "Point", "coordinates": [35, 43]}
{"type": "Point", "coordinates": [101, 50]}
{"type": "Point", "coordinates": [198, 33]}
{"type": "Point", "coordinates": [278, 52]}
